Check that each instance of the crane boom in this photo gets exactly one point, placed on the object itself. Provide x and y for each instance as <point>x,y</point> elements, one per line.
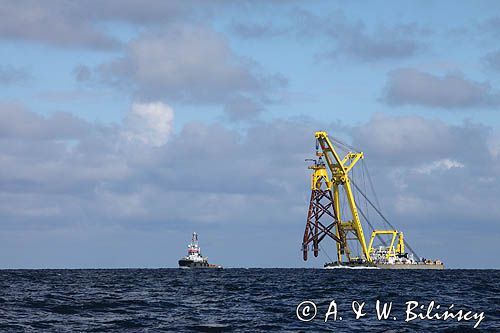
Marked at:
<point>333,213</point>
<point>331,182</point>
<point>339,169</point>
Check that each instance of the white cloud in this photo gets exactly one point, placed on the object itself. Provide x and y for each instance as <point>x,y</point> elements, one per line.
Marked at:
<point>439,165</point>
<point>188,64</point>
<point>149,123</point>
<point>183,183</point>
<point>414,140</point>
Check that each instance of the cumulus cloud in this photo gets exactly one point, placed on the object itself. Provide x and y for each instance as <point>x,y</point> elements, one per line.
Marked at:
<point>188,64</point>
<point>11,75</point>
<point>145,12</point>
<point>490,26</point>
<point>409,86</point>
<point>197,161</point>
<point>249,30</point>
<point>414,139</point>
<point>345,37</point>
<point>439,165</point>
<point>429,166</point>
<point>492,60</point>
<point>241,108</point>
<point>80,24</point>
<point>82,73</point>
<point>383,43</point>
<point>354,39</point>
<point>18,122</point>
<point>482,32</point>
<point>69,175</point>
<point>53,23</point>
<point>149,123</point>
<point>60,172</point>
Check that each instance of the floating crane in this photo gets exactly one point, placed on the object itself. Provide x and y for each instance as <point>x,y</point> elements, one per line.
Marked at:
<point>330,180</point>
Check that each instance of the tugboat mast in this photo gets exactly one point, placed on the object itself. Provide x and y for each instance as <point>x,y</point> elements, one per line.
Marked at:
<point>194,248</point>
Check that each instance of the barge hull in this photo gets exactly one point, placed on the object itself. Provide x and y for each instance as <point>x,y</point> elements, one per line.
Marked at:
<point>384,266</point>
<point>409,266</point>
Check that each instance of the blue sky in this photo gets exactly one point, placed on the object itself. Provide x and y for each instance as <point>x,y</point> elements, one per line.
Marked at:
<point>126,125</point>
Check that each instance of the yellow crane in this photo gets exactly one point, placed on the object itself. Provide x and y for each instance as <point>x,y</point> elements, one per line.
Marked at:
<point>324,217</point>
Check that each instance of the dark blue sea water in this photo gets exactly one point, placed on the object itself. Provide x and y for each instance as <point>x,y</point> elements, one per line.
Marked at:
<point>239,300</point>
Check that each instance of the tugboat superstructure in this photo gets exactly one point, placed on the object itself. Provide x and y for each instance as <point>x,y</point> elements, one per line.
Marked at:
<point>194,259</point>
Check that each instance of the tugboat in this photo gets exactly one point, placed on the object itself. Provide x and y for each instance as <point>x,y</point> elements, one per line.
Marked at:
<point>194,259</point>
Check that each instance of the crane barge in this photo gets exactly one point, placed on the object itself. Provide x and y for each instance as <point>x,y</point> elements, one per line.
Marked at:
<point>335,214</point>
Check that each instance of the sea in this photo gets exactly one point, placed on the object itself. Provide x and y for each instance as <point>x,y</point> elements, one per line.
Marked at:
<point>249,300</point>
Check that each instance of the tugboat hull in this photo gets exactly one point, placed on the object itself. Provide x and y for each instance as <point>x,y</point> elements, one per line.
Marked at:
<point>183,263</point>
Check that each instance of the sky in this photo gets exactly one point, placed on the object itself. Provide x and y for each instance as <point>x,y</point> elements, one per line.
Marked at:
<point>127,125</point>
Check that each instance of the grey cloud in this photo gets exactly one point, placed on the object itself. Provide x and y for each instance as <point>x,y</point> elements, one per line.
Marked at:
<point>82,73</point>
<point>344,37</point>
<point>188,64</point>
<point>481,33</point>
<point>491,25</point>
<point>11,75</point>
<point>430,175</point>
<point>353,39</point>
<point>412,140</point>
<point>451,91</point>
<point>383,43</point>
<point>255,30</point>
<point>209,177</point>
<point>81,24</point>
<point>492,60</point>
<point>17,122</point>
<point>101,178</point>
<point>53,23</point>
<point>64,96</point>
<point>241,108</point>
<point>143,12</point>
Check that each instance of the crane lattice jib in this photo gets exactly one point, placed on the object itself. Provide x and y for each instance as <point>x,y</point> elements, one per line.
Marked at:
<point>339,169</point>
